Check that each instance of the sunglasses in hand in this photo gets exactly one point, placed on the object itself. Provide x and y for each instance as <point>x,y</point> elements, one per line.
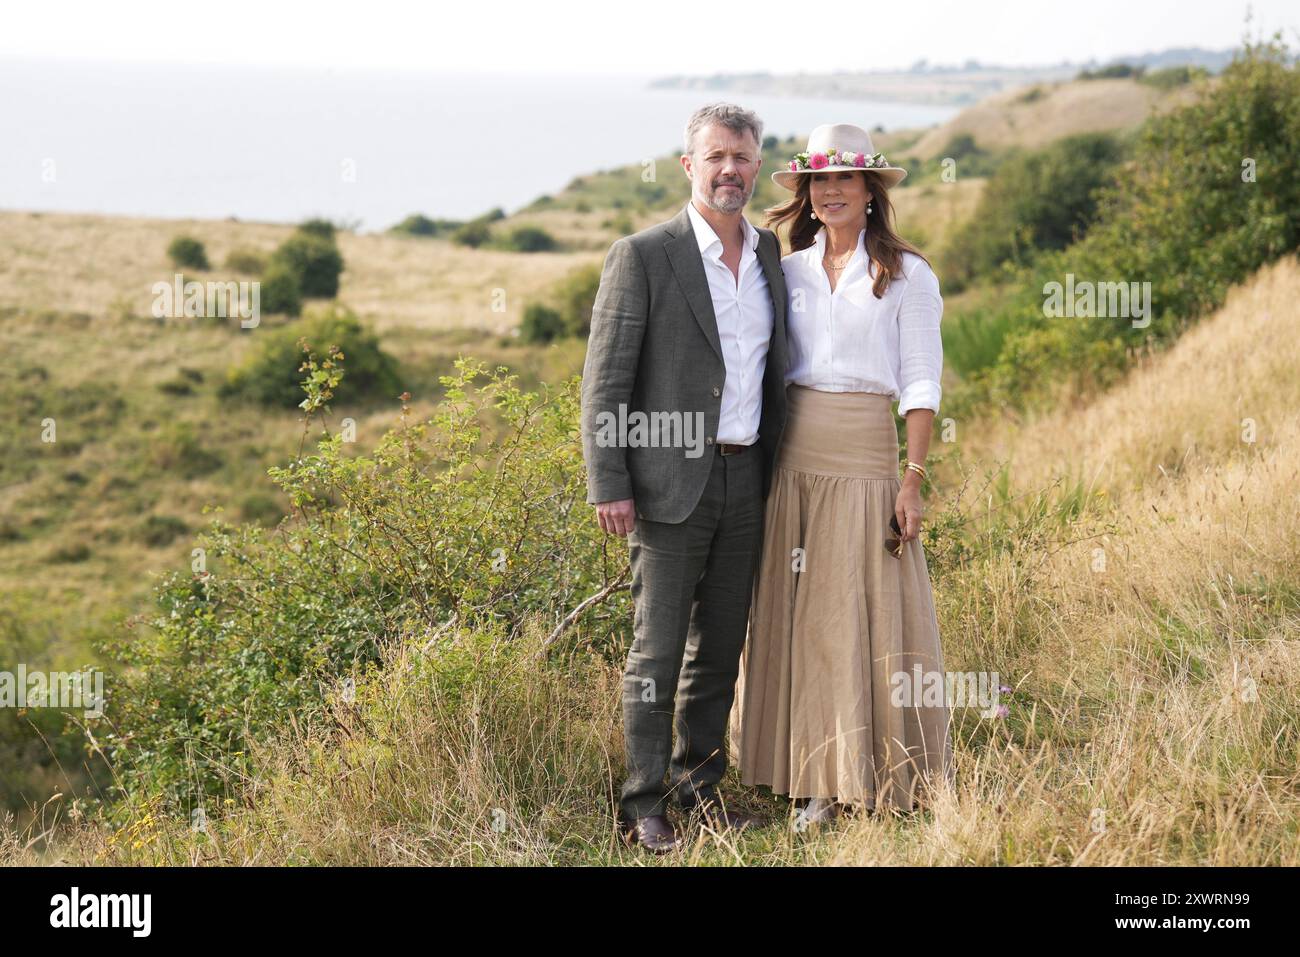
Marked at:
<point>895,545</point>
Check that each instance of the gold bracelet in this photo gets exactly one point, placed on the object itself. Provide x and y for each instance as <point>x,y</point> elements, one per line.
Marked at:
<point>917,468</point>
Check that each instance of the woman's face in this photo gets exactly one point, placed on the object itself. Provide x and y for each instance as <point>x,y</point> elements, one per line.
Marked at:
<point>840,197</point>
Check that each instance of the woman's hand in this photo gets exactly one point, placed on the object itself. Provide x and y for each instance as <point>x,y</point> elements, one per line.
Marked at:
<point>907,508</point>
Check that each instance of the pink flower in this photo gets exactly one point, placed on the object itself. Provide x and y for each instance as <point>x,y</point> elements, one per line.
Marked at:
<point>794,166</point>
<point>817,161</point>
<point>860,159</point>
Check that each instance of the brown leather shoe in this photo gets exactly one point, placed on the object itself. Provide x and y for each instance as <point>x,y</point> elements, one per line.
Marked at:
<point>654,833</point>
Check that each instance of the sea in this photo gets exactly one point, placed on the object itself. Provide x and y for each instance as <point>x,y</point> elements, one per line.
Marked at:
<point>364,149</point>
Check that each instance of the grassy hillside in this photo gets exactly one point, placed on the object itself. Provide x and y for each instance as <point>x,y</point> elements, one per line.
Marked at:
<point>1145,617</point>
<point>145,441</point>
<point>1113,547</point>
<point>1033,117</point>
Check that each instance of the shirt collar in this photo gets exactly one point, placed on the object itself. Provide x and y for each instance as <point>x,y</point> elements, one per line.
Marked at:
<point>820,239</point>
<point>819,245</point>
<point>706,237</point>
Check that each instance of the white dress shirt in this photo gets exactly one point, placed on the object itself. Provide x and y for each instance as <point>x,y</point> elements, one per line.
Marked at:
<point>743,307</point>
<point>850,341</point>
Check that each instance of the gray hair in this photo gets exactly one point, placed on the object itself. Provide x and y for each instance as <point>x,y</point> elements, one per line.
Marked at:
<point>735,118</point>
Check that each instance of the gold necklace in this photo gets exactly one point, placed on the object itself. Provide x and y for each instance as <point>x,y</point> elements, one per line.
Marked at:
<point>829,265</point>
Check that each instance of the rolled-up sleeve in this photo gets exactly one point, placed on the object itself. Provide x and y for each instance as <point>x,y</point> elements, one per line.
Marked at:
<point>920,348</point>
<point>618,321</point>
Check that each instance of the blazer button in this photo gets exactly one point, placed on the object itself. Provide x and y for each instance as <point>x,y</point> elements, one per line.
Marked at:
<point>717,391</point>
<point>708,440</point>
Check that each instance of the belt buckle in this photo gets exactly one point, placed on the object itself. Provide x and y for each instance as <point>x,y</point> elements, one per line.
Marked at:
<point>734,448</point>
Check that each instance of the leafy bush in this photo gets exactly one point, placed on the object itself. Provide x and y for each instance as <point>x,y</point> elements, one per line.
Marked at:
<point>473,234</point>
<point>477,514</point>
<point>540,324</point>
<point>281,293</point>
<point>159,530</point>
<point>314,260</point>
<point>41,752</point>
<point>1173,76</point>
<point>1112,72</point>
<point>1040,200</point>
<point>187,253</point>
<point>177,449</point>
<point>418,225</point>
<point>321,228</point>
<point>247,261</point>
<point>529,239</point>
<point>568,311</point>
<point>1185,215</point>
<point>272,373</point>
<point>575,295</point>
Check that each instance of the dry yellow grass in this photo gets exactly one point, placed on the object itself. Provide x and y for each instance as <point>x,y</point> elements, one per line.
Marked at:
<point>76,294</point>
<point>1014,119</point>
<point>93,264</point>
<point>1228,392</point>
<point>1153,650</point>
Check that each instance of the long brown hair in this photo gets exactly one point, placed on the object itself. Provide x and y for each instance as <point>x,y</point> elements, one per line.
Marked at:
<point>885,247</point>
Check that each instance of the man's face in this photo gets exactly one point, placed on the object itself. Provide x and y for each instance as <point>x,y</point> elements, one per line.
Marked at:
<point>723,167</point>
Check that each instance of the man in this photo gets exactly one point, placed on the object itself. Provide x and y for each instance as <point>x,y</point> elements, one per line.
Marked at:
<point>688,331</point>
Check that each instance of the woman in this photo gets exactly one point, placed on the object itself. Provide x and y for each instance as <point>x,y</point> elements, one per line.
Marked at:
<point>843,645</point>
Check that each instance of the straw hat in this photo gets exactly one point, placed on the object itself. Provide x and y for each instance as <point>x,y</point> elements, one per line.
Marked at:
<point>836,146</point>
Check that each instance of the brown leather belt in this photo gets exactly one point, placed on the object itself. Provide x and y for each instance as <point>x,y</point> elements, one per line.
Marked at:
<point>731,448</point>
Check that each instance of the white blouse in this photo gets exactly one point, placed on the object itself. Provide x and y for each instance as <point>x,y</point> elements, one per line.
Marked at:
<point>850,341</point>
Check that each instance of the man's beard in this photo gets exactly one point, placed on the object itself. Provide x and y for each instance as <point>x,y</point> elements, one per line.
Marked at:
<point>730,201</point>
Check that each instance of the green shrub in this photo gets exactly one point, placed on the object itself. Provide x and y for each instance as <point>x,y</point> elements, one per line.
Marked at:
<point>281,293</point>
<point>540,324</point>
<point>1114,71</point>
<point>41,751</point>
<point>1174,76</point>
<point>187,253</point>
<point>314,260</point>
<point>473,234</point>
<point>1183,215</point>
<point>529,239</point>
<point>261,508</point>
<point>1040,200</point>
<point>159,530</point>
<point>177,449</point>
<point>477,513</point>
<point>575,295</point>
<point>321,228</point>
<point>247,261</point>
<point>417,225</point>
<point>272,376</point>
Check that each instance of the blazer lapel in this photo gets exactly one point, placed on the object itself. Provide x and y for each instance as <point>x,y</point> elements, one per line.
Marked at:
<point>771,262</point>
<point>684,256</point>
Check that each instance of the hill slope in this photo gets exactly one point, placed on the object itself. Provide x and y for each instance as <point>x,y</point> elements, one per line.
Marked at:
<point>1149,636</point>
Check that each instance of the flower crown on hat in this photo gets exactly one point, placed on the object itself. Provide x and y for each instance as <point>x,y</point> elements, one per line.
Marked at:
<point>823,158</point>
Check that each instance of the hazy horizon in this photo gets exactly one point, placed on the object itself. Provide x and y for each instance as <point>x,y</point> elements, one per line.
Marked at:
<point>588,37</point>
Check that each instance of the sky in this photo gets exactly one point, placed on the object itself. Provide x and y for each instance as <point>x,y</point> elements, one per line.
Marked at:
<point>655,37</point>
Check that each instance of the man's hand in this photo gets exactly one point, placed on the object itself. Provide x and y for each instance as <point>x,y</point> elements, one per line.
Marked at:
<point>617,517</point>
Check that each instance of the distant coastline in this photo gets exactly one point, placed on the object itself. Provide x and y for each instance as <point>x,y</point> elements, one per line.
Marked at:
<point>924,83</point>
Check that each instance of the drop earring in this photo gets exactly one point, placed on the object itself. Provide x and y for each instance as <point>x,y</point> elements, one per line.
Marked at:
<point>868,209</point>
<point>812,215</point>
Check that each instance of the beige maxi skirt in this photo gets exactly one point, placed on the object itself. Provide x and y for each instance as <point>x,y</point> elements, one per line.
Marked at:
<point>843,641</point>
